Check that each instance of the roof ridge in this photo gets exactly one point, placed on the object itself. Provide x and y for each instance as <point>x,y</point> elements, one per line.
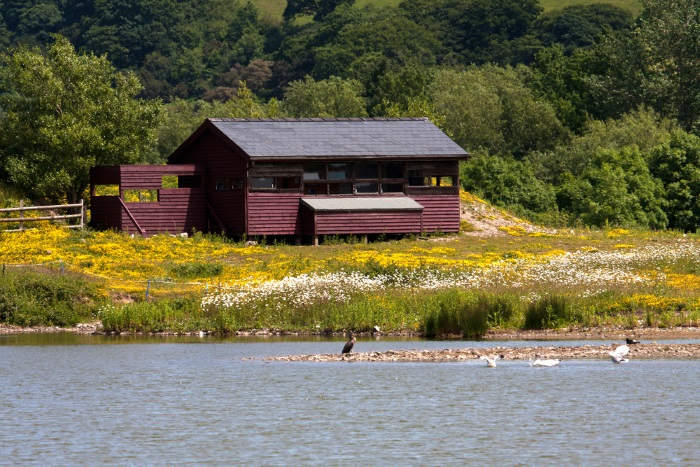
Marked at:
<point>320,119</point>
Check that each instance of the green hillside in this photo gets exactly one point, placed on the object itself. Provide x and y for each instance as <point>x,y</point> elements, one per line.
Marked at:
<point>273,8</point>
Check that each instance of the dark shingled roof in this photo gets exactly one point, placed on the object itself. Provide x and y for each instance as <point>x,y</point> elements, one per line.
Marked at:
<point>353,137</point>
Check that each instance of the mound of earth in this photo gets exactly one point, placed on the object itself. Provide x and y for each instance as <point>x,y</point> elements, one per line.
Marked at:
<point>480,219</point>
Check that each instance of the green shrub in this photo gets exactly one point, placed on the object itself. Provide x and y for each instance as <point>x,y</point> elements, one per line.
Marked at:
<point>50,299</point>
<point>548,312</point>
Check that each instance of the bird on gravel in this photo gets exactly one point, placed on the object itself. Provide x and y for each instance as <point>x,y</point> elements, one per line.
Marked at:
<point>491,361</point>
<point>618,355</point>
<point>347,348</point>
<point>631,341</point>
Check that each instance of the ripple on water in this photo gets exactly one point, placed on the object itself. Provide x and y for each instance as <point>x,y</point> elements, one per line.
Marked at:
<point>178,402</point>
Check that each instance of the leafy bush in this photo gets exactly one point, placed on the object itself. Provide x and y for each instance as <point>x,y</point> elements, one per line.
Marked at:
<point>548,312</point>
<point>616,188</point>
<point>507,182</point>
<point>31,299</point>
<point>677,164</point>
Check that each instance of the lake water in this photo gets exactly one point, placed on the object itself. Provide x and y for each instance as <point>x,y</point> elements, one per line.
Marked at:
<point>68,399</point>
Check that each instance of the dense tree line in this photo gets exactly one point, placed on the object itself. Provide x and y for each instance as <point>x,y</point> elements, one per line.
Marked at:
<point>580,115</point>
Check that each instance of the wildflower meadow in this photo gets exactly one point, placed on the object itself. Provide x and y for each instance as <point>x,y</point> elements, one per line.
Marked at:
<point>178,284</point>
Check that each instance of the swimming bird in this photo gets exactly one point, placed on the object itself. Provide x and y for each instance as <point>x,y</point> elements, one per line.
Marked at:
<point>631,341</point>
<point>491,361</point>
<point>544,362</point>
<point>618,355</point>
<point>348,345</point>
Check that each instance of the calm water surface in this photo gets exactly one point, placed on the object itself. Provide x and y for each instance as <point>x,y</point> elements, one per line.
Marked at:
<point>87,400</point>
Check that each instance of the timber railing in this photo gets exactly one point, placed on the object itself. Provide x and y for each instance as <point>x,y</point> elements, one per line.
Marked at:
<point>21,220</point>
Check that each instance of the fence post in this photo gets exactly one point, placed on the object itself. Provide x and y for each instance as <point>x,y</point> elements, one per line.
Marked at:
<point>148,288</point>
<point>21,224</point>
<point>82,214</point>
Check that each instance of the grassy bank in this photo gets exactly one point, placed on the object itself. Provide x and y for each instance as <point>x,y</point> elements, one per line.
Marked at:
<point>459,285</point>
<point>45,297</point>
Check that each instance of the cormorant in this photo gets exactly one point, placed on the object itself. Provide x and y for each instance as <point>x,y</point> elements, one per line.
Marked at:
<point>348,345</point>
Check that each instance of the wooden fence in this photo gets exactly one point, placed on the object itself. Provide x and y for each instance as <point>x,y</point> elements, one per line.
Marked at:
<point>50,216</point>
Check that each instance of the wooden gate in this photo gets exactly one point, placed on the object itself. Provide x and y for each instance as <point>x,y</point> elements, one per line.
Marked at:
<point>50,213</point>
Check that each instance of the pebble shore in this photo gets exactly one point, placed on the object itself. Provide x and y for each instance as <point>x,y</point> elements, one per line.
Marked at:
<point>637,351</point>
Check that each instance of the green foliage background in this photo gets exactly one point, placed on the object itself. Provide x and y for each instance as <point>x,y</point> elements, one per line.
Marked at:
<point>577,112</point>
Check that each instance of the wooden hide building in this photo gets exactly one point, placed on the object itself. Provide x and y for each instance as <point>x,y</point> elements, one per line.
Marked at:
<point>300,177</point>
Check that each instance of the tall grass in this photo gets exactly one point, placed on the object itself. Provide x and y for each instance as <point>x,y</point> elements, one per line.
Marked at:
<point>550,311</point>
<point>29,298</point>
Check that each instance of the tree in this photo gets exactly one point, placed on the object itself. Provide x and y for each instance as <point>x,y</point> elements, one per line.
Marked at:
<point>507,182</point>
<point>181,117</point>
<point>65,112</point>
<point>615,188</point>
<point>580,25</point>
<point>491,108</point>
<point>656,64</point>
<point>642,128</point>
<point>677,164</point>
<point>332,97</point>
<point>318,8</point>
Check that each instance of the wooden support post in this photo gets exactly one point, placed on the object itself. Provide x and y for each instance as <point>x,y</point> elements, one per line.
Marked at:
<point>82,214</point>
<point>364,239</point>
<point>21,205</point>
<point>315,240</point>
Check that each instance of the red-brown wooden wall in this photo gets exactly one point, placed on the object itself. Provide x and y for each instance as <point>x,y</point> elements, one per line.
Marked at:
<point>252,213</point>
<point>219,160</point>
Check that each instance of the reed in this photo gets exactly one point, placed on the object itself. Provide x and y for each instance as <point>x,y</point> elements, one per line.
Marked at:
<point>550,311</point>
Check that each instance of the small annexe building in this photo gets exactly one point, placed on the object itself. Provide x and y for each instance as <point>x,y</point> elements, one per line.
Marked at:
<point>296,177</point>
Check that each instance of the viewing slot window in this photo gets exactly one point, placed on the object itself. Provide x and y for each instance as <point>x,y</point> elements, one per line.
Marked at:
<point>315,188</point>
<point>364,170</point>
<point>392,187</point>
<point>392,171</point>
<point>181,181</point>
<point>227,184</point>
<point>422,178</point>
<point>339,171</point>
<point>340,188</point>
<point>416,178</point>
<point>368,187</point>
<point>288,183</point>
<point>275,183</point>
<point>262,183</point>
<point>314,172</point>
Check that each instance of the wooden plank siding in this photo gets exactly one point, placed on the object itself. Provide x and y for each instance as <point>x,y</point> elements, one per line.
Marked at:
<point>274,214</point>
<point>367,222</point>
<point>133,177</point>
<point>228,155</point>
<point>440,212</point>
<point>220,161</point>
<point>105,212</point>
<point>178,210</point>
